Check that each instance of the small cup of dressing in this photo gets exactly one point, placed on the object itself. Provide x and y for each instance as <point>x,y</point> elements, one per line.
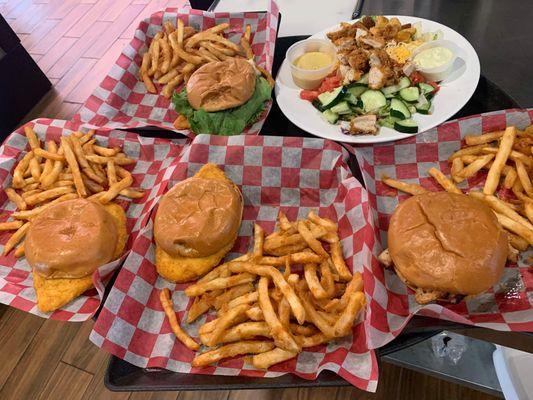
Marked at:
<point>435,59</point>
<point>311,61</point>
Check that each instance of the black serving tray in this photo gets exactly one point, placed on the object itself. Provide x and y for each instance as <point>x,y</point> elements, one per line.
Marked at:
<point>123,376</point>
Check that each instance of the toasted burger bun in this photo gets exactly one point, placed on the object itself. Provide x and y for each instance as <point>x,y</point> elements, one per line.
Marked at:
<point>196,224</point>
<point>217,86</point>
<point>448,244</point>
<point>71,239</point>
<point>55,293</point>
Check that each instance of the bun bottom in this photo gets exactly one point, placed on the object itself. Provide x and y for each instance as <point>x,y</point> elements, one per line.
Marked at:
<point>55,293</point>
<point>185,269</point>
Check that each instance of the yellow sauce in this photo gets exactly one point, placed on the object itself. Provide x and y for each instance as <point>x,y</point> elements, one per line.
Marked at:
<point>433,57</point>
<point>313,60</point>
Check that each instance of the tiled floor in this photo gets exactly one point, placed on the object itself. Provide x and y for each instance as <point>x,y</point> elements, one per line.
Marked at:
<point>75,42</point>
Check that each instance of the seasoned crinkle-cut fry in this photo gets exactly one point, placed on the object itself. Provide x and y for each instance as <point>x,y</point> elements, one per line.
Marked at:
<point>231,350</point>
<point>166,303</point>
<point>411,188</point>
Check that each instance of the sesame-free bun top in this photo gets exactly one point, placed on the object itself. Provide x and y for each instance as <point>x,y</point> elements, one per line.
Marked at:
<point>447,242</point>
<point>70,239</point>
<point>220,85</point>
<point>198,217</point>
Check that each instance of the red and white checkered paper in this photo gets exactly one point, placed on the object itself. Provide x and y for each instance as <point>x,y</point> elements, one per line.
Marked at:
<point>153,157</point>
<point>122,99</point>
<point>509,304</point>
<point>291,174</point>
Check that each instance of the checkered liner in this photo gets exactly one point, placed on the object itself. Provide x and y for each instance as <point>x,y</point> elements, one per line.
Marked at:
<point>300,174</point>
<point>153,155</point>
<point>122,99</point>
<point>509,304</point>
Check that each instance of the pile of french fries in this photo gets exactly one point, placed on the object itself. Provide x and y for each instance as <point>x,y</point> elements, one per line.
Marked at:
<point>508,157</point>
<point>293,291</point>
<point>76,167</point>
<point>176,52</point>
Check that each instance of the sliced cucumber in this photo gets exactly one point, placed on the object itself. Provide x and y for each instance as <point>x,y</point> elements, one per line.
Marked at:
<point>398,109</point>
<point>357,90</point>
<point>410,107</point>
<point>410,94</point>
<point>390,90</point>
<point>363,80</point>
<point>425,109</point>
<point>425,88</point>
<point>350,98</point>
<point>388,121</point>
<point>404,82</point>
<point>406,126</point>
<point>373,100</point>
<point>329,99</point>
<point>341,108</point>
<point>330,116</point>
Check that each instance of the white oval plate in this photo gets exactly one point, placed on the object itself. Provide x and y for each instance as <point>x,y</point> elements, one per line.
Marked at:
<point>455,91</point>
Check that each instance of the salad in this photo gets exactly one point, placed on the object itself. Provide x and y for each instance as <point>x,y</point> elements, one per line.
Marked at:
<point>376,82</point>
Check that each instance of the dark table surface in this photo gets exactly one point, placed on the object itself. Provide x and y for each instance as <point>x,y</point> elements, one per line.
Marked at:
<point>499,30</point>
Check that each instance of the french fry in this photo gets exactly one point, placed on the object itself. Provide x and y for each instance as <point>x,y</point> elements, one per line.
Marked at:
<point>528,208</point>
<point>456,168</point>
<point>506,144</point>
<point>105,151</point>
<point>73,164</point>
<point>167,55</point>
<point>510,178</point>
<point>207,55</point>
<point>231,350</point>
<point>267,75</point>
<point>154,54</point>
<point>30,193</point>
<point>328,224</point>
<point>442,180</point>
<point>49,155</point>
<point>47,195</point>
<point>173,38</point>
<point>467,151</point>
<point>274,356</point>
<point>220,301</point>
<point>312,281</point>
<point>87,136</point>
<point>30,186</point>
<point>15,198</point>
<point>145,64</point>
<point>338,262</point>
<point>49,179</point>
<point>171,85</point>
<point>518,242</point>
<point>132,193</point>
<point>326,278</point>
<point>150,87</point>
<point>32,138</point>
<point>248,53</point>
<point>516,227</point>
<point>214,50</point>
<point>169,28</point>
<point>212,37</point>
<point>513,155</point>
<point>472,168</point>
<point>246,330</point>
<point>279,281</point>
<point>224,322</point>
<point>199,307</point>
<point>255,314</point>
<point>29,214</point>
<point>182,336</point>
<point>16,238</point>
<point>115,189</point>
<point>188,57</point>
<point>10,226</point>
<point>168,76</point>
<point>91,185</point>
<point>282,337</point>
<point>522,175</point>
<point>349,314</point>
<point>18,173</point>
<point>411,188</point>
<point>501,207</point>
<point>259,238</point>
<point>313,243</point>
<point>19,251</point>
<point>179,29</point>
<point>472,140</point>
<point>219,283</point>
<point>313,316</point>
<point>119,160</point>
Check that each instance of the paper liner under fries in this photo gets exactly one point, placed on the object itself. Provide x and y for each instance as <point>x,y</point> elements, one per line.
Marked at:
<point>122,99</point>
<point>509,304</point>
<point>300,174</point>
<point>152,155</point>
